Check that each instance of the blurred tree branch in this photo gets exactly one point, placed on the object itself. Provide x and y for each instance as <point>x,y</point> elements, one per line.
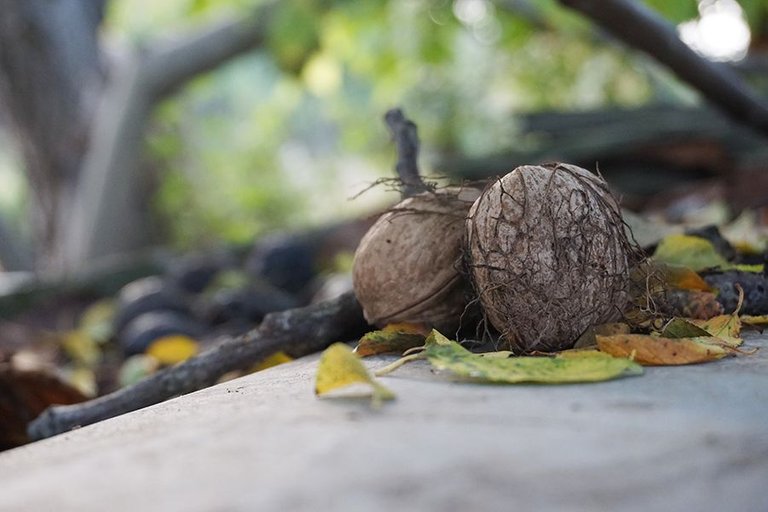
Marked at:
<point>110,193</point>
<point>298,331</point>
<point>641,28</point>
<point>50,71</point>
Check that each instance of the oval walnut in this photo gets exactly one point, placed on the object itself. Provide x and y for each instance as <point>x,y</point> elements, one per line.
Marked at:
<point>548,255</point>
<point>407,267</point>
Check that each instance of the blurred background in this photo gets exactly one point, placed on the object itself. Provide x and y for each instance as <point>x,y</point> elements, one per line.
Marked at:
<point>171,172</point>
<point>133,124</point>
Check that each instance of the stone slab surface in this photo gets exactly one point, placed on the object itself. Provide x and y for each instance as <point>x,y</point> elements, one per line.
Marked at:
<point>689,438</point>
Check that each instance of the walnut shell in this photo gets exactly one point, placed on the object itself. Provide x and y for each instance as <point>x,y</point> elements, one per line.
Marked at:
<point>407,267</point>
<point>548,255</point>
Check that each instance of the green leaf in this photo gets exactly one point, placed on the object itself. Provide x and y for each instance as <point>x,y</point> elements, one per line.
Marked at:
<point>725,328</point>
<point>683,328</point>
<point>693,252</point>
<point>96,320</point>
<point>499,367</point>
<point>444,354</point>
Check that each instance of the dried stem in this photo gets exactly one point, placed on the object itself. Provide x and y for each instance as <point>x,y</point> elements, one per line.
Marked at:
<point>406,137</point>
<point>298,331</point>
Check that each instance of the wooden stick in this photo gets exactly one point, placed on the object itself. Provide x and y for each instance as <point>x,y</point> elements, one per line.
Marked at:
<point>300,331</point>
<point>405,135</point>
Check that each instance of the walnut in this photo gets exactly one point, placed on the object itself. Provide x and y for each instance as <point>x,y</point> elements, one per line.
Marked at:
<point>548,255</point>
<point>407,267</point>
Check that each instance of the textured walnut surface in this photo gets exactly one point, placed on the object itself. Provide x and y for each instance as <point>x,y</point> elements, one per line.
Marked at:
<point>407,267</point>
<point>548,255</point>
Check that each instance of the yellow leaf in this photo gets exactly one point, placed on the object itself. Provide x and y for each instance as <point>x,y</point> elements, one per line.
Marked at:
<point>498,367</point>
<point>172,349</point>
<point>392,339</point>
<point>688,251</point>
<point>544,370</point>
<point>81,348</point>
<point>340,368</point>
<point>83,379</point>
<point>726,328</point>
<point>654,350</point>
<point>407,328</point>
<point>758,320</point>
<point>757,268</point>
<point>96,320</point>
<point>275,359</point>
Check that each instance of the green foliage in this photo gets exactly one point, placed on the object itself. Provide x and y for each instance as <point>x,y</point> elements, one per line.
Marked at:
<point>293,34</point>
<point>677,10</point>
<point>286,135</point>
<point>756,12</point>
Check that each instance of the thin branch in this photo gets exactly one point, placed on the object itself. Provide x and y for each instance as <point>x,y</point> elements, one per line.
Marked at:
<point>168,68</point>
<point>406,137</point>
<point>639,27</point>
<point>102,222</point>
<point>298,331</point>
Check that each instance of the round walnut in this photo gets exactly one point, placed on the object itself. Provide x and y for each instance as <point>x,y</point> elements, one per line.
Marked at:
<point>548,255</point>
<point>407,267</point>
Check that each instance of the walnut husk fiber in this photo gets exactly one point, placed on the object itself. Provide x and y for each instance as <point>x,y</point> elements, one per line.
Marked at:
<point>548,255</point>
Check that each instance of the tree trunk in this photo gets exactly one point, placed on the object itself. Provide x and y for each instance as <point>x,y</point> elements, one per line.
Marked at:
<point>49,73</point>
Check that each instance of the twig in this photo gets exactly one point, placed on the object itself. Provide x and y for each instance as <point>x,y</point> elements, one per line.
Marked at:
<point>641,28</point>
<point>299,331</point>
<point>406,139</point>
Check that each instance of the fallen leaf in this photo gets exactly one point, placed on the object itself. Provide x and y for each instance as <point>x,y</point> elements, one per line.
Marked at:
<point>682,278</point>
<point>726,328</point>
<point>392,339</point>
<point>275,359</point>
<point>97,320</point>
<point>83,379</point>
<point>172,349</point>
<point>757,268</point>
<point>655,350</point>
<point>340,368</point>
<point>498,367</point>
<point>81,347</point>
<point>24,394</point>
<point>683,328</point>
<point>689,251</point>
<point>757,320</point>
<point>587,339</point>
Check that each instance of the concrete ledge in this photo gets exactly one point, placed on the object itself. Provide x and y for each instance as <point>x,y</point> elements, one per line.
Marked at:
<point>676,439</point>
